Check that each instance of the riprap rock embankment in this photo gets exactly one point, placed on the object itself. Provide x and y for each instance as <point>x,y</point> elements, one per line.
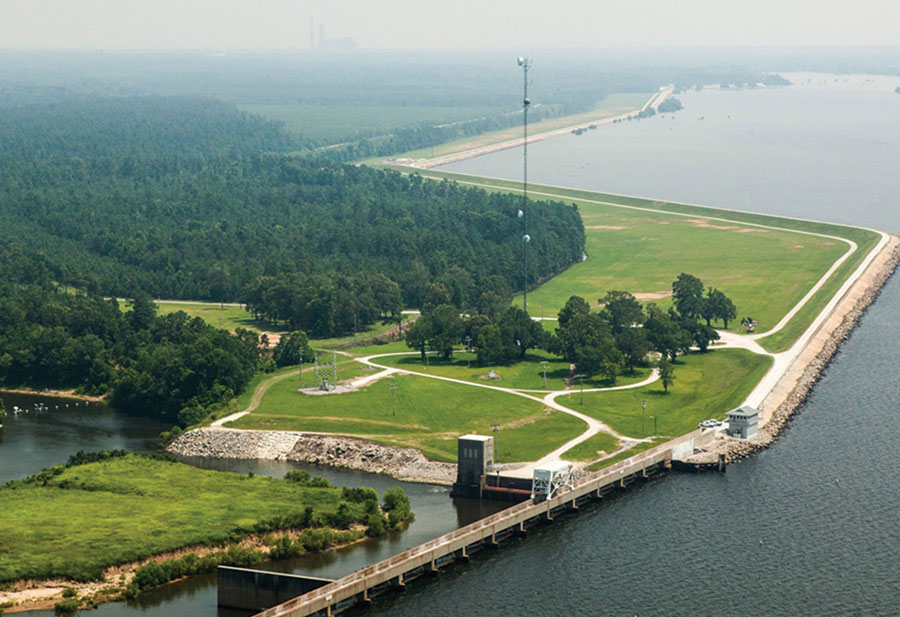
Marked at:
<point>333,450</point>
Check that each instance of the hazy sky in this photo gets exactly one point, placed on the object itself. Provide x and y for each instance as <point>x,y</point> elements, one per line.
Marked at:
<point>399,24</point>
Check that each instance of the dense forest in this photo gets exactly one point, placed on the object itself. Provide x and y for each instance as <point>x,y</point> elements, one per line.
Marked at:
<point>180,197</point>
<point>171,366</point>
<point>166,196</point>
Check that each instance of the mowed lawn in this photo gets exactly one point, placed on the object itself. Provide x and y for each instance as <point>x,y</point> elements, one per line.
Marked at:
<point>525,375</point>
<point>643,252</point>
<point>706,386</point>
<point>765,279</point>
<point>419,412</point>
<point>125,509</point>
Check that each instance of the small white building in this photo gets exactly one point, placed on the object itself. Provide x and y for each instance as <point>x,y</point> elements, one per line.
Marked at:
<point>743,422</point>
<point>549,479</point>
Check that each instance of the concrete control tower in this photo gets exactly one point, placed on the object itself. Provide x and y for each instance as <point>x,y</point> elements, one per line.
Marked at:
<point>475,459</point>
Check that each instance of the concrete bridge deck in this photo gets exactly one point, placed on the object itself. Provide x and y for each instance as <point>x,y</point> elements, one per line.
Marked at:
<point>426,558</point>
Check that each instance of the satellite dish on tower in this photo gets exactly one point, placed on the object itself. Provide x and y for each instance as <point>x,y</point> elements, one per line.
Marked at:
<point>521,61</point>
<point>526,238</point>
<point>521,214</point>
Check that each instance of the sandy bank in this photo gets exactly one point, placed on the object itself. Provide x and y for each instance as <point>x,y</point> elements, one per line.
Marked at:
<point>54,393</point>
<point>34,594</point>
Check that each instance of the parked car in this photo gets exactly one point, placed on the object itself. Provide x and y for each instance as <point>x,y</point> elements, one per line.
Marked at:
<point>709,423</point>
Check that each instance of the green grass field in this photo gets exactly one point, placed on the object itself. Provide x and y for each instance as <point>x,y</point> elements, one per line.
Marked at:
<point>723,254</point>
<point>232,317</point>
<point>525,375</point>
<point>418,412</point>
<point>124,509</point>
<point>592,448</point>
<point>706,386</point>
<point>621,456</point>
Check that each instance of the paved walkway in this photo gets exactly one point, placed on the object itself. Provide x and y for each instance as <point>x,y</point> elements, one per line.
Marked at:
<point>780,365</point>
<point>549,400</point>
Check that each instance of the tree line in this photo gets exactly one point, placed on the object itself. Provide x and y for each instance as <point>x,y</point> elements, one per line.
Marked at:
<point>170,367</point>
<point>608,342</point>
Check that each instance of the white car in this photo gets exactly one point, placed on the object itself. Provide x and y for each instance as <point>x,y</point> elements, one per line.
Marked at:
<point>709,423</point>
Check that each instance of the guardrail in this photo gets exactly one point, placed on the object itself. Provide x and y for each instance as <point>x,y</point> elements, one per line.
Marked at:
<point>427,554</point>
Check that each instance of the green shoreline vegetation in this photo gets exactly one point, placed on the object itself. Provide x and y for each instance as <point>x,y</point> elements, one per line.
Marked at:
<point>137,506</point>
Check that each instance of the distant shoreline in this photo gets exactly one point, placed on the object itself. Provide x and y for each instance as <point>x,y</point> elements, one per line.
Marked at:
<point>654,101</point>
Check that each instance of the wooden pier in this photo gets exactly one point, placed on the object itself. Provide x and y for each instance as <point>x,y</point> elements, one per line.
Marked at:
<point>393,573</point>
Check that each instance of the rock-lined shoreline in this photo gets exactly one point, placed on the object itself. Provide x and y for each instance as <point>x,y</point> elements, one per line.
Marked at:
<point>405,464</point>
<point>819,353</point>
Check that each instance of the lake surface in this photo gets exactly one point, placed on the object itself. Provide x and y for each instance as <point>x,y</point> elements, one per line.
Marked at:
<point>37,439</point>
<point>809,527</point>
<point>823,149</point>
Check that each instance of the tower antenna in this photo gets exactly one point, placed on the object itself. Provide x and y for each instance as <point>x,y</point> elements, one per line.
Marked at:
<point>525,63</point>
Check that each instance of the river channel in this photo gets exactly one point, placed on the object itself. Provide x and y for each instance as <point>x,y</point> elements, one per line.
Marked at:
<point>808,527</point>
<point>52,429</point>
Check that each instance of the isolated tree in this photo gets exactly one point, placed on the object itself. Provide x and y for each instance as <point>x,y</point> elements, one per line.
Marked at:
<point>718,306</point>
<point>520,332</point>
<point>666,374</point>
<point>489,345</point>
<point>291,349</point>
<point>446,327</point>
<point>687,294</point>
<point>418,334</point>
<point>703,335</point>
<point>622,310</point>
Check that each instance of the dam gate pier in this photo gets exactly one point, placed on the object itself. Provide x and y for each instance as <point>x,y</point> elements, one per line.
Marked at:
<point>394,573</point>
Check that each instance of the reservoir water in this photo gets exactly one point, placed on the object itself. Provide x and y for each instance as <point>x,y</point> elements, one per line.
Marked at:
<point>808,527</point>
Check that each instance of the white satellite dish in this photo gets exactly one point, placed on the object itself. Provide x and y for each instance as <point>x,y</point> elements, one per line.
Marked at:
<point>521,214</point>
<point>521,61</point>
<point>526,238</point>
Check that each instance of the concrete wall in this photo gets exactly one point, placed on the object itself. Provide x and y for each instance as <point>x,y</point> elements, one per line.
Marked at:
<point>256,590</point>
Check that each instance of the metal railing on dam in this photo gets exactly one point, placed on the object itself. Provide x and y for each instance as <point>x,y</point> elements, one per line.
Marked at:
<point>364,584</point>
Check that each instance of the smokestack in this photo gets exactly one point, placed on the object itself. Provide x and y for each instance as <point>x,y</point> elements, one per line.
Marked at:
<point>321,35</point>
<point>312,34</point>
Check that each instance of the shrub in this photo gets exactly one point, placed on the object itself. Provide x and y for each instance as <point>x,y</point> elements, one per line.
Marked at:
<point>396,504</point>
<point>285,548</point>
<point>69,592</point>
<point>375,525</point>
<point>302,477</point>
<point>66,607</point>
<point>359,495</point>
